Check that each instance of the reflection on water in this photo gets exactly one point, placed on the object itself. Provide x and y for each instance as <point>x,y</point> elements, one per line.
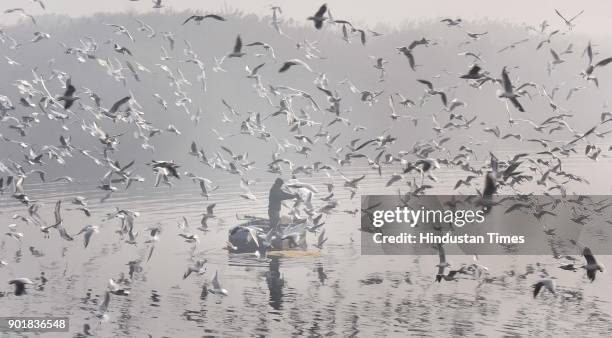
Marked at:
<point>337,292</point>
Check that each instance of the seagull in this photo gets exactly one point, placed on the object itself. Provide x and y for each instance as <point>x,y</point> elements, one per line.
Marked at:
<point>68,96</point>
<point>567,22</point>
<point>548,283</point>
<point>592,266</point>
<point>11,61</point>
<point>121,30</point>
<point>42,5</point>
<point>508,91</point>
<point>208,214</point>
<point>318,18</point>
<point>473,74</point>
<point>247,192</point>
<point>199,267</point>
<point>89,230</point>
<point>556,59</point>
<point>265,46</point>
<point>588,73</point>
<point>275,22</point>
<point>452,22</point>
<point>38,36</point>
<point>20,285</point>
<point>476,36</point>
<point>199,18</point>
<point>408,53</point>
<point>352,183</point>
<point>294,62</point>
<point>120,49</point>
<point>216,286</point>
<point>21,12</point>
<point>237,48</point>
<point>547,40</point>
<point>431,91</point>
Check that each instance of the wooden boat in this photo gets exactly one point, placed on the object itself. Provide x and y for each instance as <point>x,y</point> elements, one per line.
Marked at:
<point>240,238</point>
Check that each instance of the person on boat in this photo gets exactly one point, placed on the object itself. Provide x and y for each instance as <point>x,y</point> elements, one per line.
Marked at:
<point>276,197</point>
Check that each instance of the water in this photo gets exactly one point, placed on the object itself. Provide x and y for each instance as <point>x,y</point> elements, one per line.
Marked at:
<point>334,291</point>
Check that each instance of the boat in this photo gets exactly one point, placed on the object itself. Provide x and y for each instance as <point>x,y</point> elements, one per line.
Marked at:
<point>241,239</point>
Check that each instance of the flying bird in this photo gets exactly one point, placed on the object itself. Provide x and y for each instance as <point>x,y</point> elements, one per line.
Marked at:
<point>319,17</point>
<point>294,62</point>
<point>591,266</point>
<point>508,91</point>
<point>199,18</point>
<point>237,52</point>
<point>567,22</point>
<point>548,283</point>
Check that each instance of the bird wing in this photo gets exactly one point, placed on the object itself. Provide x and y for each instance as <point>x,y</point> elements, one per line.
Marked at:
<point>588,255</point>
<point>286,66</point>
<point>517,104</point>
<point>591,274</point>
<point>321,11</point>
<point>257,68</point>
<point>506,81</point>
<point>575,16</point>
<point>443,98</point>
<point>118,104</point>
<point>589,51</point>
<point>238,45</point>
<point>214,16</point>
<point>69,89</point>
<point>475,70</point>
<point>603,62</point>
<point>427,83</point>
<point>189,18</point>
<point>58,216</point>
<point>560,15</point>
<point>554,55</point>
<point>536,288</point>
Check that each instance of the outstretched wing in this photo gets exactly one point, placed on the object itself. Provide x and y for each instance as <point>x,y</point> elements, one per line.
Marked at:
<point>238,45</point>
<point>427,83</point>
<point>603,62</point>
<point>562,17</point>
<point>321,11</point>
<point>536,289</point>
<point>588,255</point>
<point>118,104</point>
<point>58,216</point>
<point>189,18</point>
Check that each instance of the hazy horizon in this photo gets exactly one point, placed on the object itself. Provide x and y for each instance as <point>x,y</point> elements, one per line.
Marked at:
<point>392,13</point>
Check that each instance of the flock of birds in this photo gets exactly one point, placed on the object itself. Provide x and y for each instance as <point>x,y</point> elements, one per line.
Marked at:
<point>38,104</point>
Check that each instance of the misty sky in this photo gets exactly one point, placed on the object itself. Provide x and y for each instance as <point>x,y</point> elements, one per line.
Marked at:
<point>392,12</point>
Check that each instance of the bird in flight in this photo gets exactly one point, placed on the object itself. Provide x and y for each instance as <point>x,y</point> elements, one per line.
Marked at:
<point>318,18</point>
<point>199,18</point>
<point>237,52</point>
<point>508,91</point>
<point>569,23</point>
<point>591,266</point>
<point>548,283</point>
